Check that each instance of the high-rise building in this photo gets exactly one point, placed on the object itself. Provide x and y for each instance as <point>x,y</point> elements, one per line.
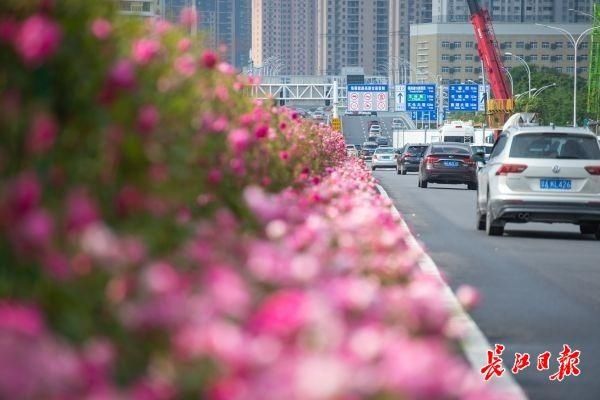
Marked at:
<point>283,36</point>
<point>352,33</point>
<point>140,8</point>
<point>556,11</point>
<point>171,9</point>
<point>225,25</point>
<point>403,14</point>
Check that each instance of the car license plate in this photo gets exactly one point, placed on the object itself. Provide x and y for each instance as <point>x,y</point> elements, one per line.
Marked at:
<point>555,184</point>
<point>452,164</point>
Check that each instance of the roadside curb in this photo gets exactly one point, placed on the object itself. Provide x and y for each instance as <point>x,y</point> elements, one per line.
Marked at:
<point>474,343</point>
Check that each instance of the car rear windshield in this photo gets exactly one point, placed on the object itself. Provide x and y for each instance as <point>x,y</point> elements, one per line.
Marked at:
<point>555,146</point>
<point>416,150</point>
<point>385,150</point>
<point>450,150</point>
<point>350,146</point>
<point>369,146</point>
<point>482,149</point>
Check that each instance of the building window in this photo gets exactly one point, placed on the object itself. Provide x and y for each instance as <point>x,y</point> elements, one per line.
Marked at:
<point>545,45</point>
<point>468,57</point>
<point>558,45</point>
<point>445,44</point>
<point>445,70</point>
<point>520,45</point>
<point>570,57</point>
<point>584,45</point>
<point>456,45</point>
<point>545,57</point>
<point>558,69</point>
<point>570,70</point>
<point>533,57</point>
<point>533,45</point>
<point>445,57</point>
<point>507,45</point>
<point>507,58</point>
<point>469,69</point>
<point>469,45</point>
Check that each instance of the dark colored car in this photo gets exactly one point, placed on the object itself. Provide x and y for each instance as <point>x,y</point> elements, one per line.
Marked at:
<point>382,141</point>
<point>449,163</point>
<point>410,158</point>
<point>367,150</point>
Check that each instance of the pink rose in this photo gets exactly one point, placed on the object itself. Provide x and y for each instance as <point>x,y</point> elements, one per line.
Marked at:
<point>144,51</point>
<point>468,296</point>
<point>261,132</point>
<point>122,74</point>
<point>37,40</point>
<point>282,313</point>
<point>208,59</point>
<point>35,230</point>
<point>42,134</point>
<point>24,194</point>
<point>81,211</point>
<point>184,45</point>
<point>188,17</point>
<point>148,118</point>
<point>239,140</point>
<point>185,65</point>
<point>101,28</point>
<point>20,318</point>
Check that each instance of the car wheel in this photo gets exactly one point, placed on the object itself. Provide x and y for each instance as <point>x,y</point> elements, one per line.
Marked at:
<point>588,228</point>
<point>472,186</point>
<point>480,220</point>
<point>492,227</point>
<point>424,184</point>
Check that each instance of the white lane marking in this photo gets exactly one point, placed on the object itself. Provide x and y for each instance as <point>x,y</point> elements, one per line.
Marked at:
<point>474,342</point>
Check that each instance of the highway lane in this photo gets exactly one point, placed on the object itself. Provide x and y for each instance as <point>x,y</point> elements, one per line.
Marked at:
<point>540,283</point>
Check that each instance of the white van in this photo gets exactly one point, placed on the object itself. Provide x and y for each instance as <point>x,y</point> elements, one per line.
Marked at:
<point>458,131</point>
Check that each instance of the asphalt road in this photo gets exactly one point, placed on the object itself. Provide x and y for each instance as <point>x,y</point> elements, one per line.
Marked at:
<point>356,128</point>
<point>540,283</point>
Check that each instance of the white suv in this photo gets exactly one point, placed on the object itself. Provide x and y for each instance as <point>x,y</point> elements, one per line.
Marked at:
<point>541,174</point>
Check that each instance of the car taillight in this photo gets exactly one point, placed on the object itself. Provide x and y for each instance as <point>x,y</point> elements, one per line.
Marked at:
<point>593,169</point>
<point>511,169</point>
<point>470,162</point>
<point>431,159</point>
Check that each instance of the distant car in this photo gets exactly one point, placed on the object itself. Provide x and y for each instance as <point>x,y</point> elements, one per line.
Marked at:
<point>351,150</point>
<point>486,149</point>
<point>373,122</point>
<point>383,157</point>
<point>449,163</point>
<point>541,174</point>
<point>375,130</point>
<point>397,123</point>
<point>410,158</point>
<point>372,138</point>
<point>382,141</point>
<point>358,147</point>
<point>319,115</point>
<point>368,148</point>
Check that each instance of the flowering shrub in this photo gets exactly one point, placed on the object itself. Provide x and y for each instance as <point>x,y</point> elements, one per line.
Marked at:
<point>164,237</point>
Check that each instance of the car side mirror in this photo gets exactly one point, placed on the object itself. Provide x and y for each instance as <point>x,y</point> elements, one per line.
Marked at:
<point>479,157</point>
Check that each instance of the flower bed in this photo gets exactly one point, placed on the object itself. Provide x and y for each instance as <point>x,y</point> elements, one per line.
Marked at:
<point>164,237</point>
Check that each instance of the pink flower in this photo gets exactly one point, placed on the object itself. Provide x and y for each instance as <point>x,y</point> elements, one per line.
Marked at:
<point>282,313</point>
<point>284,155</point>
<point>188,17</point>
<point>161,278</point>
<point>81,211</point>
<point>8,30</point>
<point>101,28</point>
<point>37,40</point>
<point>261,132</point>
<point>214,176</point>
<point>35,230</point>
<point>208,59</point>
<point>57,265</point>
<point>20,318</point>
<point>122,74</point>
<point>228,290</point>
<point>42,134</point>
<point>148,118</point>
<point>184,45</point>
<point>225,68</point>
<point>468,296</point>
<point>185,65</point>
<point>144,51</point>
<point>239,140</point>
<point>24,194</point>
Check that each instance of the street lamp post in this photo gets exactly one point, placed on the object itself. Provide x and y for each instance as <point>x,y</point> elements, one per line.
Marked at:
<point>526,67</point>
<point>575,43</point>
<point>540,90</point>
<point>512,82</point>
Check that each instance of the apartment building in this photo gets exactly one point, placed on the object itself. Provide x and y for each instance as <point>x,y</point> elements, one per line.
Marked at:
<point>283,36</point>
<point>403,13</point>
<point>226,25</point>
<point>140,8</point>
<point>352,33</point>
<point>449,51</point>
<point>555,11</point>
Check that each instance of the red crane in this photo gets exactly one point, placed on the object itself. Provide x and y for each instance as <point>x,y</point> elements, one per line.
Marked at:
<point>502,105</point>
